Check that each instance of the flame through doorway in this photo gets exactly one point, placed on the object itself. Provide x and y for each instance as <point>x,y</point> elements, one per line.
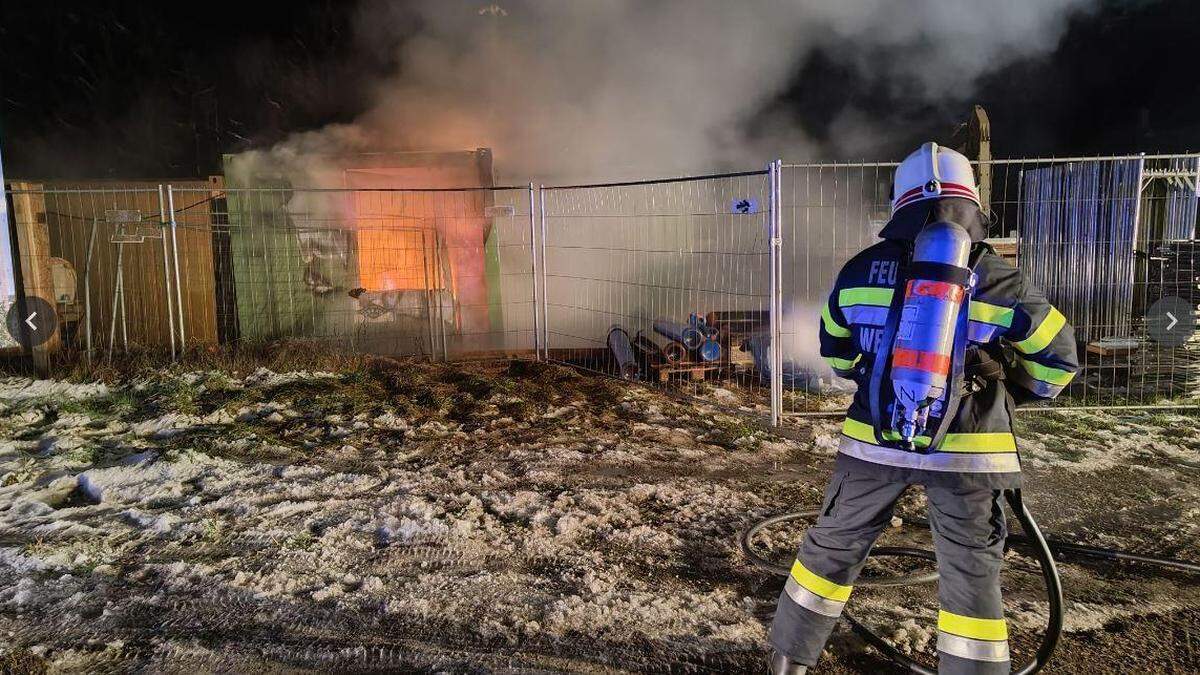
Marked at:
<point>394,245</point>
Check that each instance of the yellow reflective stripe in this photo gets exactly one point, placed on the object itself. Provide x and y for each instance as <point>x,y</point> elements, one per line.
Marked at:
<point>861,431</point>
<point>985,441</point>
<point>842,364</point>
<point>970,627</point>
<point>989,313</point>
<point>1055,376</point>
<point>1040,338</point>
<point>818,585</point>
<point>880,297</point>
<point>980,442</point>
<point>833,327</point>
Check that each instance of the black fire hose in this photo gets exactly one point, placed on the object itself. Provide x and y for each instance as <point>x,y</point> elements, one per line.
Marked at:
<point>1042,550</point>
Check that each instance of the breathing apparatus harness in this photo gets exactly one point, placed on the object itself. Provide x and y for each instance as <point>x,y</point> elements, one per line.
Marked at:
<point>950,280</point>
<point>970,368</point>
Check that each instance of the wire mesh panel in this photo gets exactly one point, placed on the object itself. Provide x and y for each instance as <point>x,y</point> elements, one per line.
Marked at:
<point>828,214</point>
<point>443,273</point>
<point>96,251</point>
<point>662,281</point>
<point>1104,238</point>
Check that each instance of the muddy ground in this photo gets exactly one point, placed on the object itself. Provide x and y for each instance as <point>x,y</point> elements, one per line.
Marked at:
<point>506,517</point>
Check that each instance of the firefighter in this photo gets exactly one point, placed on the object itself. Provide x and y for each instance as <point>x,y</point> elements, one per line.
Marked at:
<point>1018,349</point>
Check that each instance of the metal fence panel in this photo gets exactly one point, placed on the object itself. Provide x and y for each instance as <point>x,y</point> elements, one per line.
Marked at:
<point>736,266</point>
<point>662,281</point>
<point>440,273</point>
<point>1104,238</point>
<point>104,248</point>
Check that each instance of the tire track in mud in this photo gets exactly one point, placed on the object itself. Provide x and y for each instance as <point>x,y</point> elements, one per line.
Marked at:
<point>239,630</point>
<point>267,588</point>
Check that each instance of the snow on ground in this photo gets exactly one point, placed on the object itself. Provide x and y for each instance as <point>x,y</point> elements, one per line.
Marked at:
<point>407,516</point>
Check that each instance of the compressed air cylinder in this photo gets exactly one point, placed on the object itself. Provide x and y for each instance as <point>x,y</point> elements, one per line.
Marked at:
<point>622,351</point>
<point>690,336</point>
<point>923,351</point>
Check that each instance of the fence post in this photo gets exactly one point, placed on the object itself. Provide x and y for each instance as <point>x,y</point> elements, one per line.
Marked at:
<point>178,284</point>
<point>533,275</point>
<point>162,220</point>
<point>775,353</point>
<point>545,303</point>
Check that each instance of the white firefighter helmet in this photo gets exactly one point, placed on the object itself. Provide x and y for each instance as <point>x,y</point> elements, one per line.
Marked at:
<point>931,172</point>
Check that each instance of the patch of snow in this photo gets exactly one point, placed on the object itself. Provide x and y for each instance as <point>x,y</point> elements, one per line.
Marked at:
<point>24,389</point>
<point>266,378</point>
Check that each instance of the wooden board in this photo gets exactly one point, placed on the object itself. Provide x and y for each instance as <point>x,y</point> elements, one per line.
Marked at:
<point>694,370</point>
<point>1101,348</point>
<point>33,242</point>
<point>71,208</point>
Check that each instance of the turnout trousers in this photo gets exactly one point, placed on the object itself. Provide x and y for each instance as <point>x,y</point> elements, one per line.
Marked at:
<point>968,533</point>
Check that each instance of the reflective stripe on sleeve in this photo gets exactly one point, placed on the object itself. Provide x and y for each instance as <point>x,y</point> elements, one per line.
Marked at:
<point>1036,386</point>
<point>833,327</point>
<point>880,297</point>
<point>1041,338</point>
<point>842,364</point>
<point>1055,376</point>
<point>986,312</point>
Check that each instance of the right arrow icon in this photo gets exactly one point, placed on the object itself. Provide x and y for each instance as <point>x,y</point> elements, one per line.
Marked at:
<point>1171,321</point>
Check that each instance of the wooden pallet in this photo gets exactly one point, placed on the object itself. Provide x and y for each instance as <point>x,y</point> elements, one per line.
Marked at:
<point>694,370</point>
<point>1112,347</point>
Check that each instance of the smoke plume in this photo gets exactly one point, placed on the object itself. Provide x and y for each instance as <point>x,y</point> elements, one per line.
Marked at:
<point>626,88</point>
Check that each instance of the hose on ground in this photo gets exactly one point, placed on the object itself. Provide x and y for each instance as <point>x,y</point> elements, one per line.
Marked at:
<point>1043,550</point>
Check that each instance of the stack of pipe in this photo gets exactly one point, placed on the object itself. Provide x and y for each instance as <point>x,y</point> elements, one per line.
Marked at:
<point>689,336</point>
<point>658,349</point>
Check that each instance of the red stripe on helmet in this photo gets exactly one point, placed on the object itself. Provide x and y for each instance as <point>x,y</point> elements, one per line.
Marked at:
<point>930,362</point>
<point>957,186</point>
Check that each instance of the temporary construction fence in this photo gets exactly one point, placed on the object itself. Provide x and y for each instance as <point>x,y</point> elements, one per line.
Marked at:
<point>710,285</point>
<point>660,280</point>
<point>443,273</point>
<point>1104,238</point>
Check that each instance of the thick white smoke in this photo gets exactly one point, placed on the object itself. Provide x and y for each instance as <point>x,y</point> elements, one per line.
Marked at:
<point>581,90</point>
<point>584,89</point>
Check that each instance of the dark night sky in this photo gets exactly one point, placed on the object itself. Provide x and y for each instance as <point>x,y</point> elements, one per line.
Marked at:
<point>162,89</point>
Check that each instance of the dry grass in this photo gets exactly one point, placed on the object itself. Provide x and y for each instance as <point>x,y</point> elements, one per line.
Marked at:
<point>278,355</point>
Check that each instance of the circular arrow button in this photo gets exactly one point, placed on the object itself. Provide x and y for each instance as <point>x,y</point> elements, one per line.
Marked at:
<point>1171,321</point>
<point>33,326</point>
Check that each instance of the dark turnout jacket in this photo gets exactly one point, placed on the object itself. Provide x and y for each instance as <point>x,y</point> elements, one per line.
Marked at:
<point>1011,324</point>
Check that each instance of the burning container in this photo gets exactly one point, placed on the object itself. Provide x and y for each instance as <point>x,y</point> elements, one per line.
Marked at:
<point>391,251</point>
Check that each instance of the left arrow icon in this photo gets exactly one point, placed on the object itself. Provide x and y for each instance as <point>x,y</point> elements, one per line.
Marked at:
<point>29,321</point>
